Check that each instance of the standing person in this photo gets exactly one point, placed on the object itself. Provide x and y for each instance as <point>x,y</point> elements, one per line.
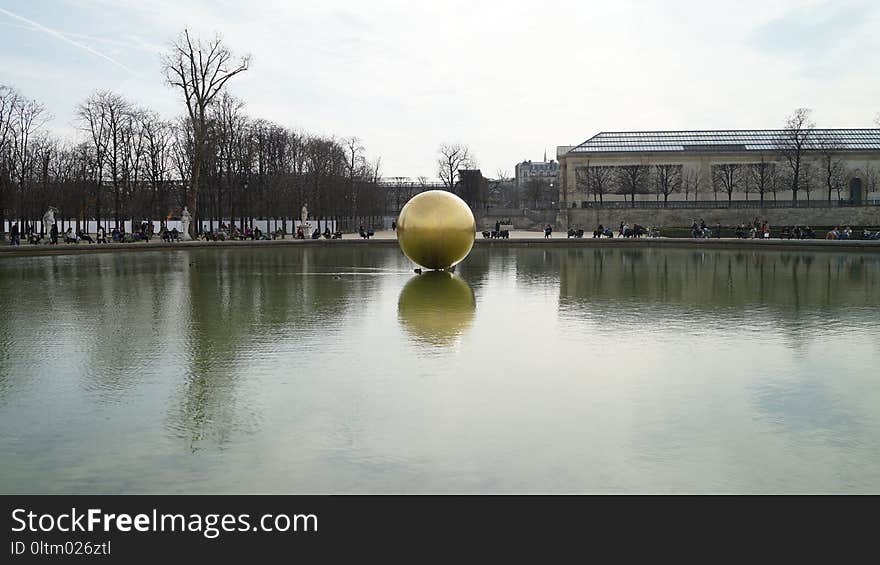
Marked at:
<point>718,230</point>
<point>620,230</point>
<point>102,235</point>
<point>393,225</point>
<point>53,234</point>
<point>14,235</point>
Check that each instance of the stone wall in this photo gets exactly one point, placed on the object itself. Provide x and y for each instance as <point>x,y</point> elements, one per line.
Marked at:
<point>683,217</point>
<point>586,218</point>
<point>521,219</point>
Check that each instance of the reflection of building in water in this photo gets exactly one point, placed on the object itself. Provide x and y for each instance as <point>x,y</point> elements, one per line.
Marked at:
<point>436,307</point>
<point>792,283</point>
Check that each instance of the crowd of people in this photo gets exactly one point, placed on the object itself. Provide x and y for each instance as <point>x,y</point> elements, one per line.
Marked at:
<point>234,233</point>
<point>756,229</point>
<point>499,233</point>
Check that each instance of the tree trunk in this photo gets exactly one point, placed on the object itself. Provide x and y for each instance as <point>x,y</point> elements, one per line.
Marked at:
<point>192,194</point>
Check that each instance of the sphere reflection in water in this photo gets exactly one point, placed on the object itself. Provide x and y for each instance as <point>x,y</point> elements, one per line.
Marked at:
<point>436,229</point>
<point>436,307</point>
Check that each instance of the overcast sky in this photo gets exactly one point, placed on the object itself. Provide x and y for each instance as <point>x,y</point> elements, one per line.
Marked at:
<point>508,78</point>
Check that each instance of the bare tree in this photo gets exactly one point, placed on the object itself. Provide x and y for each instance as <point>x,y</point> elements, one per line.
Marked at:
<point>9,100</point>
<point>200,70</point>
<point>228,126</point>
<point>536,191</point>
<point>158,136</point>
<point>596,181</point>
<point>794,143</point>
<point>632,180</point>
<point>667,180</point>
<point>29,117</point>
<point>763,174</point>
<point>727,178</point>
<point>452,157</point>
<point>93,118</point>
<point>872,179</point>
<point>690,182</point>
<point>502,191</point>
<point>355,162</point>
<point>808,178</point>
<point>117,114</point>
<point>832,166</point>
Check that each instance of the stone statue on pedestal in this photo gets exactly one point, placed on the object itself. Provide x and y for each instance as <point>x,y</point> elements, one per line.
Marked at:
<point>49,219</point>
<point>304,216</point>
<point>185,219</point>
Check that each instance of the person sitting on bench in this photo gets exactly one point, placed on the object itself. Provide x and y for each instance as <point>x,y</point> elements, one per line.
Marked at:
<point>86,237</point>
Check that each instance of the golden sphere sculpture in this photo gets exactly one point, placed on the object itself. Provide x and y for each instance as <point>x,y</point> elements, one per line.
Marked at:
<point>436,229</point>
<point>436,307</point>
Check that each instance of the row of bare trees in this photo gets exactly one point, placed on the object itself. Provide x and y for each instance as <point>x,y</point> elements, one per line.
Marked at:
<point>225,166</point>
<point>763,179</point>
<point>133,165</point>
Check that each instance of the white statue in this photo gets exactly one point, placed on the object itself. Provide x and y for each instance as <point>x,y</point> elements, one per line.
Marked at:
<point>305,214</point>
<point>185,219</point>
<point>49,219</point>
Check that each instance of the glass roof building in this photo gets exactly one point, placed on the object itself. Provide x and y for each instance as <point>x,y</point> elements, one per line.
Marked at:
<point>856,152</point>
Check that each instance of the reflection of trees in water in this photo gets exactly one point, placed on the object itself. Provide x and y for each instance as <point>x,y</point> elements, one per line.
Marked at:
<point>7,373</point>
<point>475,268</point>
<point>794,289</point>
<point>242,305</point>
<point>538,264</point>
<point>92,318</point>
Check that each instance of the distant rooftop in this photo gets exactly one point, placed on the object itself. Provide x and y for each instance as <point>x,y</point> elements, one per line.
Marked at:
<point>724,140</point>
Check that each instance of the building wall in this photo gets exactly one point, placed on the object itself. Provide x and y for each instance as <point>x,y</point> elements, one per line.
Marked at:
<point>701,163</point>
<point>588,219</point>
<point>528,170</point>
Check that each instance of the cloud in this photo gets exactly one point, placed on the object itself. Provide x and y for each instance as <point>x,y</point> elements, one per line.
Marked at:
<point>505,77</point>
<point>58,35</point>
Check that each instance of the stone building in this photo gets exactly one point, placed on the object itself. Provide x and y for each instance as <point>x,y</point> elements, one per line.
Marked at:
<point>708,166</point>
<point>545,170</point>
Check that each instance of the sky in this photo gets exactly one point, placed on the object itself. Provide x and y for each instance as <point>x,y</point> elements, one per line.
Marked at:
<point>510,79</point>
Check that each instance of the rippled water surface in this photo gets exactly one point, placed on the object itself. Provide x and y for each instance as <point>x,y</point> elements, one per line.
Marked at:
<point>336,369</point>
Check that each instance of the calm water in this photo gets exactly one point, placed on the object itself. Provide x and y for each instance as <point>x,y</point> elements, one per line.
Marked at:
<point>336,369</point>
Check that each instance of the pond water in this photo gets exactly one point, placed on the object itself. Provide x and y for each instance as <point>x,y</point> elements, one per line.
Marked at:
<point>335,369</point>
